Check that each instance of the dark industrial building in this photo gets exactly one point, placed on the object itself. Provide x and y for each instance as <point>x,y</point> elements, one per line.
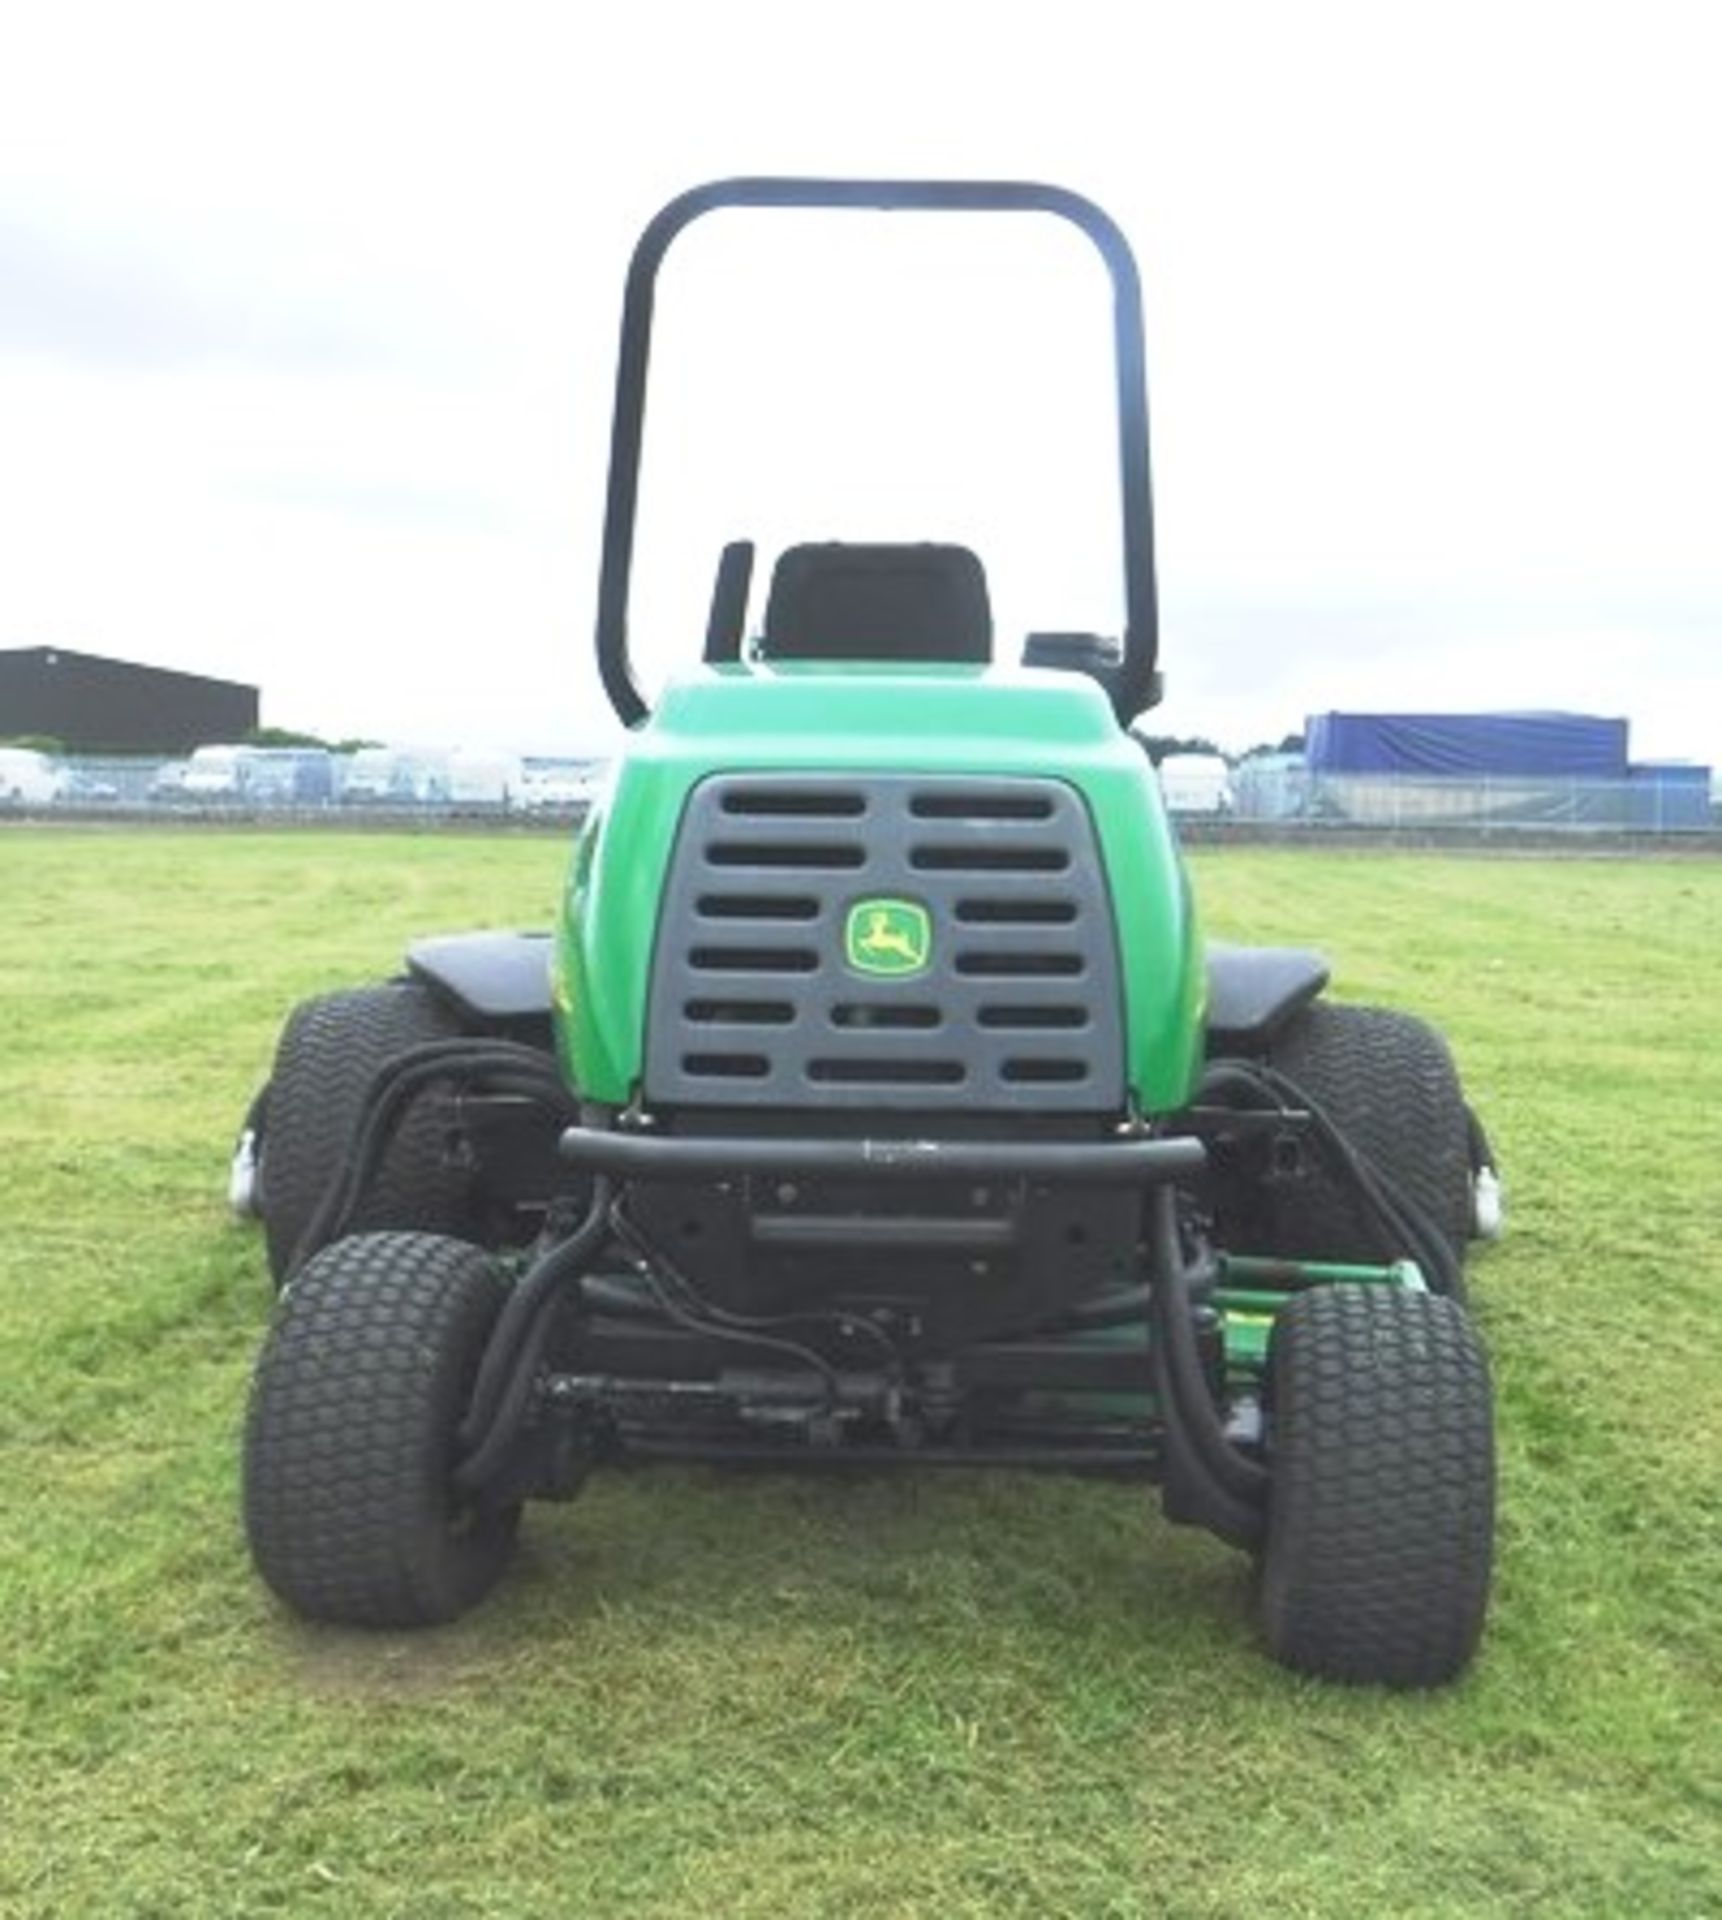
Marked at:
<point>111,706</point>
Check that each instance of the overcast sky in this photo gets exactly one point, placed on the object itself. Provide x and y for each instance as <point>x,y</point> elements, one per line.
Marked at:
<point>307,322</point>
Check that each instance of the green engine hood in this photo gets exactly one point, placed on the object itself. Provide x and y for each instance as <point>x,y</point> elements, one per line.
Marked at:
<point>812,719</point>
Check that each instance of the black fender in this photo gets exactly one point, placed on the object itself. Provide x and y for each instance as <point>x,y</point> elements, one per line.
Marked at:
<point>496,982</point>
<point>502,979</point>
<point>1254,991</point>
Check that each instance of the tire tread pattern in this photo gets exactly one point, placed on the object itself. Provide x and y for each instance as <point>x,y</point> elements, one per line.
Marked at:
<point>331,1049</point>
<point>1388,1082</point>
<point>1380,1541</point>
<point>350,1434</point>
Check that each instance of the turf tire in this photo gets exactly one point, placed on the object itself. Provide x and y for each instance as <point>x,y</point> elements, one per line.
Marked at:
<point>350,1436</point>
<point>330,1051</point>
<point>1387,1081</point>
<point>1381,1517</point>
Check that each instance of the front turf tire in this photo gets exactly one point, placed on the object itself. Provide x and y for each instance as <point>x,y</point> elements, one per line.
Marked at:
<point>1381,1511</point>
<point>350,1507</point>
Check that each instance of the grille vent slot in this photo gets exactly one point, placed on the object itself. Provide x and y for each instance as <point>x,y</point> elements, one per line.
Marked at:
<point>753,960</point>
<point>866,1071</point>
<point>1026,912</point>
<point>740,1013</point>
<point>1045,1072</point>
<point>792,803</point>
<point>893,1014</point>
<point>982,857</point>
<point>804,856</point>
<point>980,806</point>
<point>726,1066</point>
<point>1004,964</point>
<point>1051,1018</point>
<point>757,906</point>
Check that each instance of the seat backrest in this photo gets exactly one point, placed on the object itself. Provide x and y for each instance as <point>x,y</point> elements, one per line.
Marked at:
<point>837,601</point>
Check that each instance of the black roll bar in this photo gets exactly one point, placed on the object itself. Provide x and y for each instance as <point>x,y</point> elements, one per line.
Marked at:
<point>1134,686</point>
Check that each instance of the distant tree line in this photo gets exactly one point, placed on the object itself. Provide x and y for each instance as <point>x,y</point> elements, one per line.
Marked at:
<point>1159,745</point>
<point>256,737</point>
<point>1156,745</point>
<point>290,737</point>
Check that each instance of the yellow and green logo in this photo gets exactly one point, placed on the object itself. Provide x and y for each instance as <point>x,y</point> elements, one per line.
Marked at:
<point>888,938</point>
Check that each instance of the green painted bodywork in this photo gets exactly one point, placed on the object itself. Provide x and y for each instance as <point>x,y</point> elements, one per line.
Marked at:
<point>1250,1295</point>
<point>1249,1270</point>
<point>1252,1290</point>
<point>853,718</point>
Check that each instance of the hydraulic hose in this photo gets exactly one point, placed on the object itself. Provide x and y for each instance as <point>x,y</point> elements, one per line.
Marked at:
<point>521,1314</point>
<point>498,1433</point>
<point>1191,1403</point>
<point>607,1293</point>
<point>502,1393</point>
<point>1104,1310</point>
<point>1215,1506</point>
<point>1396,1211</point>
<point>1403,1223</point>
<point>490,1065</point>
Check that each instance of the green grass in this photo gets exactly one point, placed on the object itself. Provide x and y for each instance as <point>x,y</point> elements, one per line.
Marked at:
<point>922,1695</point>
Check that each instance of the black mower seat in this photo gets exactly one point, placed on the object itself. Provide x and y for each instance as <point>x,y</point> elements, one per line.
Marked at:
<point>836,601</point>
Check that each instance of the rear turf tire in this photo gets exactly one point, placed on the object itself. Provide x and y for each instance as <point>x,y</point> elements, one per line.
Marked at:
<point>331,1049</point>
<point>1387,1081</point>
<point>350,1437</point>
<point>1381,1520</point>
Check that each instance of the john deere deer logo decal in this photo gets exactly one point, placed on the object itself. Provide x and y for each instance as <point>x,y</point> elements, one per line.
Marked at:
<point>887,937</point>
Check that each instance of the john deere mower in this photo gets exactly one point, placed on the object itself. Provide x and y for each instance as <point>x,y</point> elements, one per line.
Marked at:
<point>875,1102</point>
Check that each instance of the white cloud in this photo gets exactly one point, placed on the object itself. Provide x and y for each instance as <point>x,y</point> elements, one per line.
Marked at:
<point>312,312</point>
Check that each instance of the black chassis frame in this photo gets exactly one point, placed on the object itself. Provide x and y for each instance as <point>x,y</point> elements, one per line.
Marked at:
<point>628,1362</point>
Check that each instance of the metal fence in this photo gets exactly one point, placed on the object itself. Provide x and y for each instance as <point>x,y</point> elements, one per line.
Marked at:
<point>88,784</point>
<point>1276,794</point>
<point>1292,795</point>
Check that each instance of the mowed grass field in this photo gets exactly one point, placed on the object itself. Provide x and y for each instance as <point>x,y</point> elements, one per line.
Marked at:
<point>928,1694</point>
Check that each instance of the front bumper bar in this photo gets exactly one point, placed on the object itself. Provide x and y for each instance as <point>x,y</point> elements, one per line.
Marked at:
<point>649,1156</point>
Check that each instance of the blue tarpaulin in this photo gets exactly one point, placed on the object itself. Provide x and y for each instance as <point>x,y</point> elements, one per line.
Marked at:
<point>1575,746</point>
<point>1669,794</point>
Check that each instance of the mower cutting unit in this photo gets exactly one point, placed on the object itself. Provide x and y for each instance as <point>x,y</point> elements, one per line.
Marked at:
<point>876,1100</point>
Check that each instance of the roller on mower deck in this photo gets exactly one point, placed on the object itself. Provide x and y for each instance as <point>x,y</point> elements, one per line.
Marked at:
<point>876,1100</point>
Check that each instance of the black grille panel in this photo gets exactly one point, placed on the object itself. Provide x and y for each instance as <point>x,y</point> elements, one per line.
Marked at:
<point>755,1003</point>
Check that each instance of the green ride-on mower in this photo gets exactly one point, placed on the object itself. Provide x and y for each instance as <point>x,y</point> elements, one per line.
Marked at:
<point>876,1101</point>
